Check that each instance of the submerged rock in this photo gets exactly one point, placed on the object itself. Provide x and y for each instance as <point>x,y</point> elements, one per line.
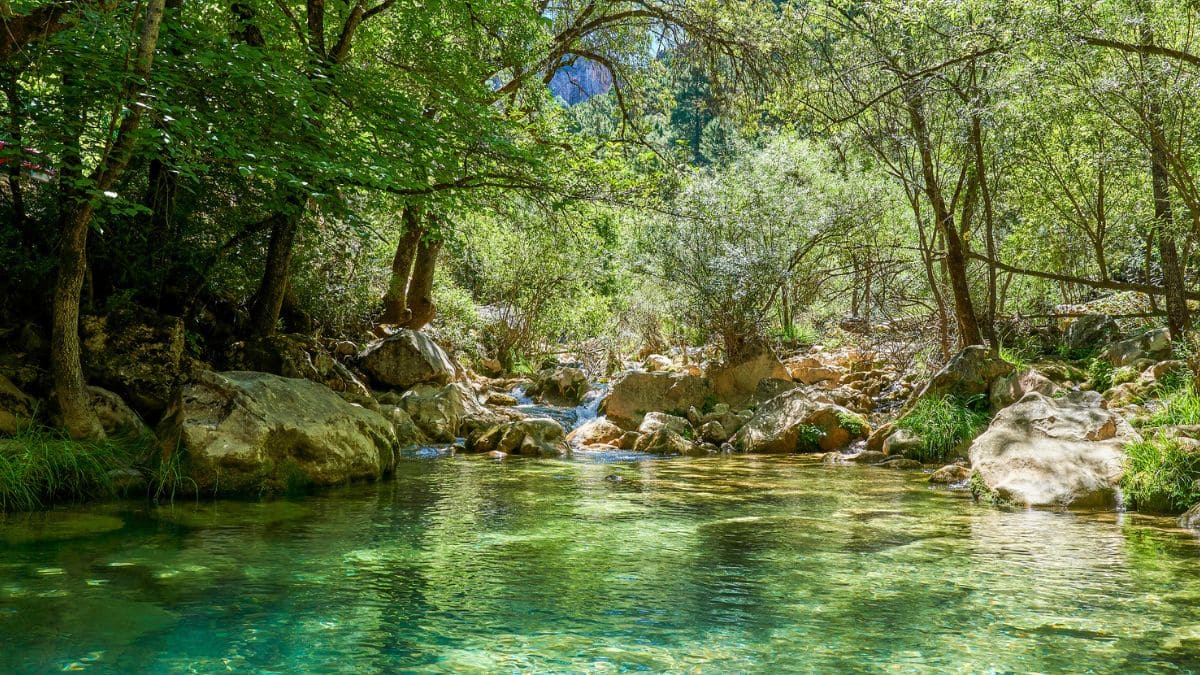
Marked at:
<point>663,441</point>
<point>1191,518</point>
<point>950,474</point>
<point>1044,451</point>
<point>405,359</point>
<point>246,433</point>
<point>793,422</point>
<point>635,393</point>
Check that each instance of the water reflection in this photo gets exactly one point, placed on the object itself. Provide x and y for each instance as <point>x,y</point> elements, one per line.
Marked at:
<point>718,563</point>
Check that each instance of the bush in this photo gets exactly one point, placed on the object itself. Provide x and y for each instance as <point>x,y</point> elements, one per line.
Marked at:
<point>943,424</point>
<point>1161,475</point>
<point>40,466</point>
<point>1100,372</point>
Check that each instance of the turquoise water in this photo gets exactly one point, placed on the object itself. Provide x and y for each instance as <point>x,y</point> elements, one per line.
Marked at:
<point>711,565</point>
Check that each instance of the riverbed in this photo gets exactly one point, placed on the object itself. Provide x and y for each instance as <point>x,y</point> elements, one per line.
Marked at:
<point>602,562</point>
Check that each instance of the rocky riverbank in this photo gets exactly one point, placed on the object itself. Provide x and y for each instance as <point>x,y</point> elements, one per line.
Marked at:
<point>297,413</point>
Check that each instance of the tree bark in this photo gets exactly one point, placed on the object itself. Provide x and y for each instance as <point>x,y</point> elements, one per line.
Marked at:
<point>420,288</point>
<point>395,301</point>
<point>268,300</point>
<point>956,260</point>
<point>79,207</point>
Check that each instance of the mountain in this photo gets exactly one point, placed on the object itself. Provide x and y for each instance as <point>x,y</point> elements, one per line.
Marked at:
<point>580,81</point>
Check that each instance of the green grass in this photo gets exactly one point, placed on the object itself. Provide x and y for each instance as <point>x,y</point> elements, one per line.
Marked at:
<point>943,424</point>
<point>852,423</point>
<point>1161,475</point>
<point>1180,405</point>
<point>41,466</point>
<point>1019,356</point>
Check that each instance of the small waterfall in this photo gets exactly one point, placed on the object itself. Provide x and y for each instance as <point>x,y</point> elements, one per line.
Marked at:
<point>570,417</point>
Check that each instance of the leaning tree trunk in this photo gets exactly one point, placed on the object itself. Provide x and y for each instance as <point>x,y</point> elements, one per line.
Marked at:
<point>420,287</point>
<point>395,301</point>
<point>65,354</point>
<point>956,259</point>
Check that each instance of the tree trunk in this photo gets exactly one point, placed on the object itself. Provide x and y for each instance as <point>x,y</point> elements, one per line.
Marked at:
<point>65,355</point>
<point>79,207</point>
<point>1174,285</point>
<point>956,260</point>
<point>268,301</point>
<point>395,301</point>
<point>420,287</point>
<point>989,326</point>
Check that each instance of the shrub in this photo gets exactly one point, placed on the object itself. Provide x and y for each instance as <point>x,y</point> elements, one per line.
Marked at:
<point>1100,372</point>
<point>943,424</point>
<point>1161,475</point>
<point>810,438</point>
<point>852,423</point>
<point>40,466</point>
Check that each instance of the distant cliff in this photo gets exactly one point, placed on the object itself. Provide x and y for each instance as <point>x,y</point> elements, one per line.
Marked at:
<point>578,82</point>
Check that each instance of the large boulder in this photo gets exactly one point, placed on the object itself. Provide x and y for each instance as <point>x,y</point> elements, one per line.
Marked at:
<point>636,393</point>
<point>297,355</point>
<point>533,437</point>
<point>137,354</point>
<point>794,422</point>
<point>663,441</point>
<point>1153,345</point>
<point>737,383</point>
<point>116,418</point>
<point>1044,451</point>
<point>405,359</point>
<point>248,433</point>
<point>1010,389</point>
<point>596,432</point>
<point>16,408</point>
<point>654,421</point>
<point>970,373</point>
<point>560,386</point>
<point>1091,330</point>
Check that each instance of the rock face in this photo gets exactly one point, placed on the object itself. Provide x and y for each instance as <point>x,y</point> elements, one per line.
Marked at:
<point>970,373</point>
<point>533,437</point>
<point>137,354</point>
<point>560,386</point>
<point>246,433</point>
<point>1153,345</point>
<point>447,412</point>
<point>636,393</point>
<point>792,422</point>
<point>1010,389</point>
<point>596,432</point>
<point>405,359</point>
<point>16,409</point>
<point>116,417</point>
<point>1092,330</point>
<point>1044,451</point>
<point>736,384</point>
<point>296,355</point>
<point>655,421</point>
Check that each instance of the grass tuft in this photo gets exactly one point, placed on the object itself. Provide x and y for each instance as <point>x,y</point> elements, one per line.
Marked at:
<point>1180,406</point>
<point>943,424</point>
<point>42,466</point>
<point>1100,372</point>
<point>1161,475</point>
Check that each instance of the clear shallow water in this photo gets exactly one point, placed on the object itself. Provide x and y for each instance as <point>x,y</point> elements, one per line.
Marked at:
<point>712,564</point>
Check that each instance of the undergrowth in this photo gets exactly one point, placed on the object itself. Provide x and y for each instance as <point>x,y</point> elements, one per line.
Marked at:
<point>1161,475</point>
<point>41,466</point>
<point>943,424</point>
<point>1180,404</point>
<point>1100,372</point>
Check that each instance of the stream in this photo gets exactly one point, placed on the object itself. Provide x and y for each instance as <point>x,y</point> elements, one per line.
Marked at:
<point>600,562</point>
